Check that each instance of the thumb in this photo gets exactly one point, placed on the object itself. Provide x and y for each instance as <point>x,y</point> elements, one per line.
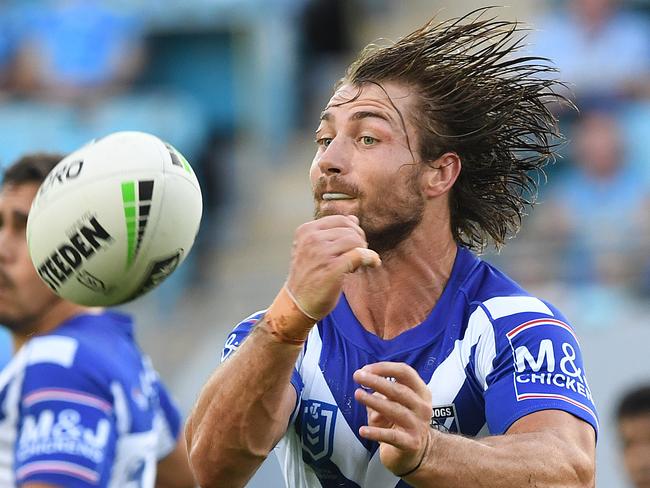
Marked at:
<point>358,257</point>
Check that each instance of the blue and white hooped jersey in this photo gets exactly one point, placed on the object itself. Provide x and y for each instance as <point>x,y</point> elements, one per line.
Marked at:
<point>489,352</point>
<point>81,407</point>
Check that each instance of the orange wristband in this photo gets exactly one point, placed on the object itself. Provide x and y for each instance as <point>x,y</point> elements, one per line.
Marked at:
<point>286,321</point>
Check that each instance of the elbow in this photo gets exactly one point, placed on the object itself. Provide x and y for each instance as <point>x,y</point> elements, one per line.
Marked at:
<point>223,468</point>
<point>206,468</point>
<point>206,476</point>
<point>214,463</point>
<point>585,471</point>
<point>198,453</point>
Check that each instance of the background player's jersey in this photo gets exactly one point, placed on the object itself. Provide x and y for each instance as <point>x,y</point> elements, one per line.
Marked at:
<point>489,352</point>
<point>82,407</point>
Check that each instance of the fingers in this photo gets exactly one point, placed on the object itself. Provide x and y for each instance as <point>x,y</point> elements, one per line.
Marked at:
<point>334,221</point>
<point>394,437</point>
<point>339,240</point>
<point>403,374</point>
<point>375,419</point>
<point>390,410</point>
<point>356,258</point>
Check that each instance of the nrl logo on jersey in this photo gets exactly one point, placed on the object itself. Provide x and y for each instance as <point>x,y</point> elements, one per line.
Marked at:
<point>318,421</point>
<point>444,418</point>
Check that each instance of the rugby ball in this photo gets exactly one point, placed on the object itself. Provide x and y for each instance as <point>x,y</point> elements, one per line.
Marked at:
<point>114,219</point>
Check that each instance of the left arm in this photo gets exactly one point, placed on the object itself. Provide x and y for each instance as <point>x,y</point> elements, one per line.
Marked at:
<point>549,448</point>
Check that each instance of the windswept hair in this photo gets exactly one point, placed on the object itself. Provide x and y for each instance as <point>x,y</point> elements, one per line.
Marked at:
<point>481,102</point>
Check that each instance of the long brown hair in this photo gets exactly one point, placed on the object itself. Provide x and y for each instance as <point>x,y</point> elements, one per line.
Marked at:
<point>481,102</point>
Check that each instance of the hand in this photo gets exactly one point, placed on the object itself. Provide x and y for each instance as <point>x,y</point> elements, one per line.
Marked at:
<point>399,413</point>
<point>324,250</point>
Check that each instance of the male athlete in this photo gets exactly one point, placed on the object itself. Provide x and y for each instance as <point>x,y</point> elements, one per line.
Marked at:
<point>390,337</point>
<point>633,417</point>
<point>80,406</point>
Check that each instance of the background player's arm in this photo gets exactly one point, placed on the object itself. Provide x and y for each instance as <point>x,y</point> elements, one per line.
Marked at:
<point>242,411</point>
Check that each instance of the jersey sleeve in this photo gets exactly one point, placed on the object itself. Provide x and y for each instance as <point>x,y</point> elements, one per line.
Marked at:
<point>168,420</point>
<point>537,366</point>
<point>66,435</point>
<point>239,334</point>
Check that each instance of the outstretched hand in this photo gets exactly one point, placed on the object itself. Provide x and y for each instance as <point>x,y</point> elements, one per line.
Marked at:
<point>399,414</point>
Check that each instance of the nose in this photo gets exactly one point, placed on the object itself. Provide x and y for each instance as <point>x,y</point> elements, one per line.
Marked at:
<point>6,246</point>
<point>334,160</point>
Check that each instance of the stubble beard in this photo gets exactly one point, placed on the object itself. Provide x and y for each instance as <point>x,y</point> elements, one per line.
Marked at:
<point>389,219</point>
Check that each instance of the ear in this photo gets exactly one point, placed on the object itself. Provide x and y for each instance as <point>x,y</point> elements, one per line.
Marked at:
<point>441,174</point>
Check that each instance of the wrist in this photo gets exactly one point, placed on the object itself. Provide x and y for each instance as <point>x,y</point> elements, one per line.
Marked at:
<point>417,475</point>
<point>424,455</point>
<point>286,321</point>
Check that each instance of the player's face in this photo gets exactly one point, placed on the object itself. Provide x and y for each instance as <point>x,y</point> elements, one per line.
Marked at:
<point>23,296</point>
<point>363,164</point>
<point>635,437</point>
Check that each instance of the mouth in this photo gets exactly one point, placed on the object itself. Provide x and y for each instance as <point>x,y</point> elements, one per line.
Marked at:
<point>337,196</point>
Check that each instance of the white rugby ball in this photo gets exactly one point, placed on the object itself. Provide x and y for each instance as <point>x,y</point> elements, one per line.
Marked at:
<point>114,219</point>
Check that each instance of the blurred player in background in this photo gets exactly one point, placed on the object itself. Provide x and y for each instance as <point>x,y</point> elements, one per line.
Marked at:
<point>80,404</point>
<point>390,336</point>
<point>633,417</point>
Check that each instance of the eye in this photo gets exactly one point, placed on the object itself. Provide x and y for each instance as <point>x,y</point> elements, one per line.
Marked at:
<point>324,141</point>
<point>368,140</point>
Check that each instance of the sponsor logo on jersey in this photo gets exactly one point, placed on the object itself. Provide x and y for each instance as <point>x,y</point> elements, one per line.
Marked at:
<point>318,421</point>
<point>550,367</point>
<point>231,345</point>
<point>62,433</point>
<point>444,418</point>
<point>84,241</point>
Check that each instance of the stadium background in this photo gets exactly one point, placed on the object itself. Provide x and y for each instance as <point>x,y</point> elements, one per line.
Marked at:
<point>236,85</point>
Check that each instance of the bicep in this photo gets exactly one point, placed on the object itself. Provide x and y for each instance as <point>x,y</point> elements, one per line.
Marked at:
<point>568,428</point>
<point>562,437</point>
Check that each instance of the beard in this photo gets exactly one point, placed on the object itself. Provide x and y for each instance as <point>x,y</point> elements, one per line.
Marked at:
<point>388,218</point>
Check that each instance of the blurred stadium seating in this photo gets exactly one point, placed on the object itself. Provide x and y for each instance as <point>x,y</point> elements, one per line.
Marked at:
<point>234,84</point>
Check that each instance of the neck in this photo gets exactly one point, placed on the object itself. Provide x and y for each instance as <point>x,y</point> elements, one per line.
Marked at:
<point>400,294</point>
<point>47,321</point>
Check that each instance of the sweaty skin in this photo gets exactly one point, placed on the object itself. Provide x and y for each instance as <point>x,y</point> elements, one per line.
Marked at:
<point>364,166</point>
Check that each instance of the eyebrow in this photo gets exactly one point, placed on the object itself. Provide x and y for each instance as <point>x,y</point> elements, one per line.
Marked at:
<point>20,217</point>
<point>363,114</point>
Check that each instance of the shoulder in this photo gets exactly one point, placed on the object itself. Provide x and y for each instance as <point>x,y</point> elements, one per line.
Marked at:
<point>60,350</point>
<point>86,349</point>
<point>494,298</point>
<point>58,367</point>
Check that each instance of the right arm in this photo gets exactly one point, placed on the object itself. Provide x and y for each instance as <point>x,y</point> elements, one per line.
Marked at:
<point>242,411</point>
<point>245,407</point>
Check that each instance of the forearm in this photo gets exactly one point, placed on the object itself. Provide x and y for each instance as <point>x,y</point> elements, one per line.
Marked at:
<point>242,411</point>
<point>540,459</point>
